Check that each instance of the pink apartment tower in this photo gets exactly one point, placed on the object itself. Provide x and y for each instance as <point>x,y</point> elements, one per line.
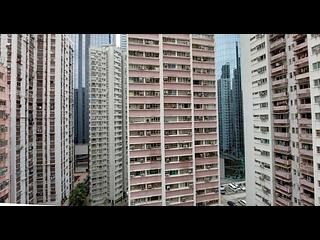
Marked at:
<point>172,132</point>
<point>4,136</point>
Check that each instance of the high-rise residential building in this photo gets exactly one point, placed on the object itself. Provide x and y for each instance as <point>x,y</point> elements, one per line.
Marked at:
<point>125,121</point>
<point>282,136</point>
<point>123,42</point>
<point>230,104</point>
<point>172,113</point>
<point>4,136</point>
<point>40,75</point>
<point>82,43</point>
<point>106,160</point>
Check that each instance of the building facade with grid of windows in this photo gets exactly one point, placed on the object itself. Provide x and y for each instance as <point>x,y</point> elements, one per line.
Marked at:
<point>172,120</point>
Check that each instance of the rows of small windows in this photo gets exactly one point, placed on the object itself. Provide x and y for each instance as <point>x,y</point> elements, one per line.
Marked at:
<point>172,106</point>
<point>258,59</point>
<point>259,70</point>
<point>202,47</point>
<point>144,54</point>
<point>258,47</point>
<point>146,200</point>
<point>151,42</point>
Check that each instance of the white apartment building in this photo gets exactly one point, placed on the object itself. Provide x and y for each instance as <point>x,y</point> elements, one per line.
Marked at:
<point>281,107</point>
<point>40,74</point>
<point>105,123</point>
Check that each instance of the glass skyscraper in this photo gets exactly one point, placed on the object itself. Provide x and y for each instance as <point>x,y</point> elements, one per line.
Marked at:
<point>230,104</point>
<point>82,43</point>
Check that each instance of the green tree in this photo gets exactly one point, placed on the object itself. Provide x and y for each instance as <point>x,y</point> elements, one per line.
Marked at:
<point>79,195</point>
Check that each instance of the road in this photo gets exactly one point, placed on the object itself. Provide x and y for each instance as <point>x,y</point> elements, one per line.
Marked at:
<point>230,195</point>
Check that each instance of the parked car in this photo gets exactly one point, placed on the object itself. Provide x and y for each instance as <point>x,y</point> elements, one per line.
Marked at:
<point>230,203</point>
<point>242,202</point>
<point>222,190</point>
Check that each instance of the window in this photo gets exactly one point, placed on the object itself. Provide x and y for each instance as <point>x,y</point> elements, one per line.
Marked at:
<point>316,82</point>
<point>316,66</point>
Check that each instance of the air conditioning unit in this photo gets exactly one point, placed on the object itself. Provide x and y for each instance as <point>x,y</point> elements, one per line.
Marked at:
<point>167,175</point>
<point>167,160</point>
<point>148,147</point>
<point>148,133</point>
<point>168,188</point>
<point>190,185</point>
<point>183,199</point>
<point>190,171</point>
<point>149,186</point>
<point>148,120</point>
<point>141,134</point>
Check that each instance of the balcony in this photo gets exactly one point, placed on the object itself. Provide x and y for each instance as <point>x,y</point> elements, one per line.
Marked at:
<point>281,135</point>
<point>302,92</point>
<point>300,47</point>
<point>306,152</point>
<point>307,183</point>
<point>283,174</point>
<point>283,201</point>
<point>284,108</point>
<point>284,188</point>
<point>307,198</point>
<point>278,96</point>
<point>301,61</point>
<point>306,169</point>
<point>278,56</point>
<point>282,161</point>
<point>298,36</point>
<point>304,121</point>
<point>281,148</point>
<point>280,82</point>
<point>304,107</point>
<point>278,69</point>
<point>305,137</point>
<point>281,121</point>
<point>278,43</point>
<point>302,76</point>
